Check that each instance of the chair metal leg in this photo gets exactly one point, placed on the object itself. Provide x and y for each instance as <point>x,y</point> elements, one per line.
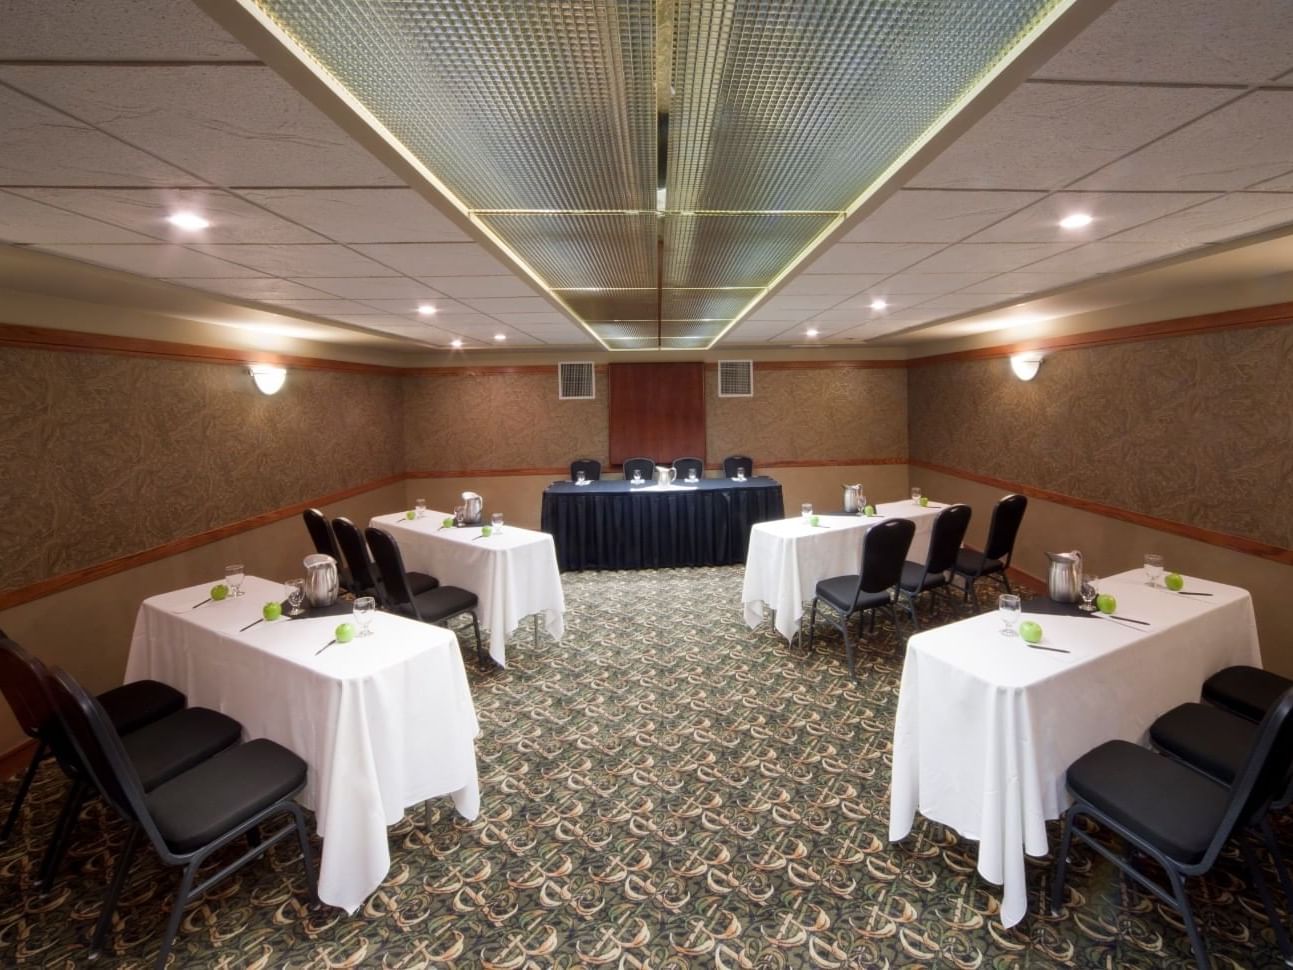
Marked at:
<point>1005,581</point>
<point>1187,916</point>
<point>1272,914</point>
<point>911,609</point>
<point>28,777</point>
<point>893,611</point>
<point>177,911</point>
<point>62,834</point>
<point>1281,869</point>
<point>848,648</point>
<point>536,631</point>
<point>307,855</point>
<point>114,890</point>
<point>480,649</point>
<point>812,625</point>
<point>1061,864</point>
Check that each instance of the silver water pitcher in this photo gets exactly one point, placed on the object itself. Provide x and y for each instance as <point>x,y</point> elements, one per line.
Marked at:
<point>853,498</point>
<point>1065,580</point>
<point>473,507</point>
<point>321,582</point>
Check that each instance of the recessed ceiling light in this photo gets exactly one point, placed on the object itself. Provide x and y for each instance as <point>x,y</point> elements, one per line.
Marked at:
<point>812,331</point>
<point>426,310</point>
<point>879,303</point>
<point>500,337</point>
<point>1078,220</point>
<point>189,221</point>
<point>455,342</point>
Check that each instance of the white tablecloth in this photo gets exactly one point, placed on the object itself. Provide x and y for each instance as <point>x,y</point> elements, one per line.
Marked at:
<point>986,727</point>
<point>788,558</point>
<point>384,722</point>
<point>513,574</point>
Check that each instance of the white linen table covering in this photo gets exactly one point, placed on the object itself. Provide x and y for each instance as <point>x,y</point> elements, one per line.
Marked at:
<point>987,727</point>
<point>513,573</point>
<point>788,558</point>
<point>384,722</point>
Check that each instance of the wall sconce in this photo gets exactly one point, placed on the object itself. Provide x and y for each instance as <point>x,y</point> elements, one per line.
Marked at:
<point>1026,365</point>
<point>268,378</point>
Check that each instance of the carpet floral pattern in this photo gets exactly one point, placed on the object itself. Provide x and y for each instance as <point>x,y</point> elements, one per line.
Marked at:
<point>663,788</point>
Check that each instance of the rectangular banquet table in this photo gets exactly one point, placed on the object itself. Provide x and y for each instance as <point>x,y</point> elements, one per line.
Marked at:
<point>513,573</point>
<point>616,525</point>
<point>987,727</point>
<point>384,722</point>
<point>788,558</point>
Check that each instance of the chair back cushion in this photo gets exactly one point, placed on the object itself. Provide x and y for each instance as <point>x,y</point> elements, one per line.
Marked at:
<point>386,554</point>
<point>732,462</point>
<point>683,466</point>
<point>351,541</point>
<point>946,538</point>
<point>1265,775</point>
<point>320,534</point>
<point>1004,526</point>
<point>645,465</point>
<point>884,550</point>
<point>591,467</point>
<point>22,681</point>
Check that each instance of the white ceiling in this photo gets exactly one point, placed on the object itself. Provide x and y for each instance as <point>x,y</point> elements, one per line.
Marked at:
<point>1167,122</point>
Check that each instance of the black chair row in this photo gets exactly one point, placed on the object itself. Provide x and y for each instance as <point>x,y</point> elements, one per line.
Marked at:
<point>1219,771</point>
<point>177,776</point>
<point>592,468</point>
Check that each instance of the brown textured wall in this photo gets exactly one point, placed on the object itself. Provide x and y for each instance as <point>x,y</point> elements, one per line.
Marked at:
<point>814,414</point>
<point>1195,429</point>
<point>499,420</point>
<point>108,455</point>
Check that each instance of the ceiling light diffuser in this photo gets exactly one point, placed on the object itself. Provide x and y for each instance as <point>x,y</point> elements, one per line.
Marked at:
<point>426,310</point>
<point>879,304</point>
<point>188,221</point>
<point>1078,220</point>
<point>500,337</point>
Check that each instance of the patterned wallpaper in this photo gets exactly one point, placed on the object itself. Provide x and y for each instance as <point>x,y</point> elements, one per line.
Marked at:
<point>500,420</point>
<point>811,414</point>
<point>109,455</point>
<point>1195,429</point>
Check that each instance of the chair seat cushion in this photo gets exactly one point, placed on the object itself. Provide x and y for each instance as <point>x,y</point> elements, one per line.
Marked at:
<point>971,562</point>
<point>839,592</point>
<point>1214,741</point>
<point>131,706</point>
<point>914,579</point>
<point>1247,691</point>
<point>443,602</point>
<point>421,582</point>
<point>171,746</point>
<point>223,792</point>
<point>1172,807</point>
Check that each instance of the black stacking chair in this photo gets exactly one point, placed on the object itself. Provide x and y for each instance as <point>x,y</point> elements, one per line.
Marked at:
<point>644,465</point>
<point>193,814</point>
<point>362,575</point>
<point>1248,692</point>
<point>591,467</point>
<point>883,552</point>
<point>733,462</point>
<point>684,465</point>
<point>159,750</point>
<point>1177,816</point>
<point>936,571</point>
<point>326,543</point>
<point>438,605</point>
<point>994,560</point>
<point>130,707</point>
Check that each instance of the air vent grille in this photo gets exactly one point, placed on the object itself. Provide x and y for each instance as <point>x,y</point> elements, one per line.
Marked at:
<point>575,381</point>
<point>736,378</point>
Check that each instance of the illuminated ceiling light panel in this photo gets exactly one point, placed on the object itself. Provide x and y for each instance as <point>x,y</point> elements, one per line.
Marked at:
<point>551,126</point>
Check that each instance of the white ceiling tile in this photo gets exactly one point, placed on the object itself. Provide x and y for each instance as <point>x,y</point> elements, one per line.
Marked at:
<point>892,301</point>
<point>1043,136</point>
<point>906,284</point>
<point>153,260</point>
<point>442,304</point>
<point>527,320</point>
<point>949,302</point>
<point>394,215</point>
<point>798,301</point>
<point>988,257</point>
<point>229,124</point>
<point>1228,217</point>
<point>324,259</point>
<point>840,318</point>
<point>1248,141</point>
<point>831,284</point>
<point>141,30</point>
<point>1020,284</point>
<point>935,215</point>
<point>145,210</point>
<point>510,304</point>
<point>870,257</point>
<point>462,287</point>
<point>44,147</point>
<point>1111,212</point>
<point>322,308</point>
<point>777,314</point>
<point>377,320</point>
<point>437,259</point>
<point>1184,41</point>
<point>253,289</point>
<point>1282,184</point>
<point>368,288</point>
<point>26,221</point>
<point>1105,257</point>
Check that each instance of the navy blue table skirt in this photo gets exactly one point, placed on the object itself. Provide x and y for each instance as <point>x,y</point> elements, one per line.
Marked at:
<point>613,525</point>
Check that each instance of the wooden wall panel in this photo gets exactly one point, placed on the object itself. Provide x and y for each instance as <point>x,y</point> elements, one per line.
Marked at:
<point>656,411</point>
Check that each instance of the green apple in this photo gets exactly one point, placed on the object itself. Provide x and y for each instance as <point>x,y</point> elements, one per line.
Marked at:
<point>1031,631</point>
<point>219,591</point>
<point>448,522</point>
<point>1175,582</point>
<point>869,510</point>
<point>345,633</point>
<point>1106,603</point>
<point>924,501</point>
<point>486,530</point>
<point>271,611</point>
<point>815,520</point>
<point>410,514</point>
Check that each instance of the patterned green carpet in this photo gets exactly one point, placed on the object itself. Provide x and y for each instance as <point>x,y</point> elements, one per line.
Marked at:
<point>664,788</point>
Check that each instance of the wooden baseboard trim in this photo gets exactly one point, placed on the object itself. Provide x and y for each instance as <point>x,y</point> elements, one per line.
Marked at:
<point>1224,540</point>
<point>15,760</point>
<point>54,584</point>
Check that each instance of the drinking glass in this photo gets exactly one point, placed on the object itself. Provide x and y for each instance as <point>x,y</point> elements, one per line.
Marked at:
<point>580,478</point>
<point>915,495</point>
<point>691,474</point>
<point>740,473</point>
<point>497,520</point>
<point>1153,568</point>
<point>234,575</point>
<point>420,506</point>
<point>363,610</point>
<point>295,596</point>
<point>1089,589</point>
<point>806,510</point>
<point>1009,607</point>
<point>637,477</point>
